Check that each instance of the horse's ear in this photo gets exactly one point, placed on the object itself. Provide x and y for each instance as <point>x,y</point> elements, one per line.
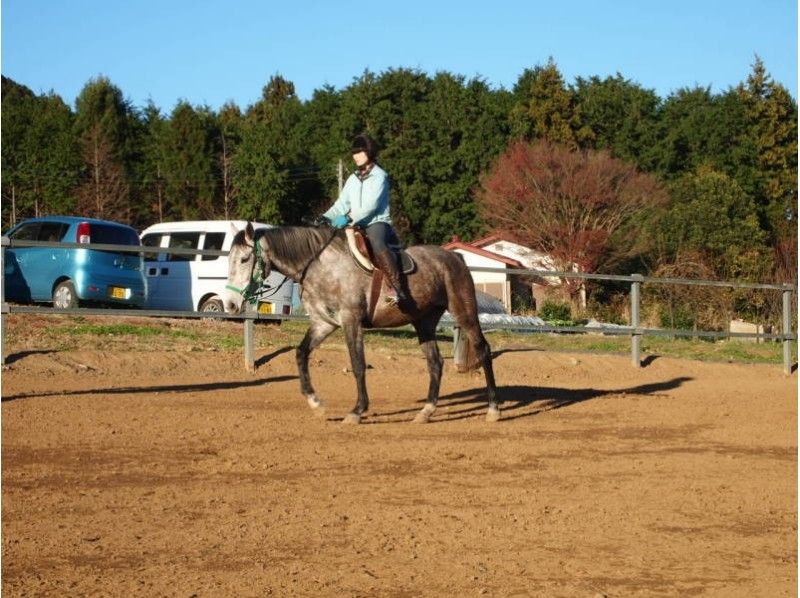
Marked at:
<point>249,233</point>
<point>234,230</point>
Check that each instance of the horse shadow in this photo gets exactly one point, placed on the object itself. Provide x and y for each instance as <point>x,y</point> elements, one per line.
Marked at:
<point>519,400</point>
<point>176,388</point>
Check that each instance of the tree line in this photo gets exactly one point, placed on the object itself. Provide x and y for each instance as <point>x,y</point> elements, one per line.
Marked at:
<point>715,173</point>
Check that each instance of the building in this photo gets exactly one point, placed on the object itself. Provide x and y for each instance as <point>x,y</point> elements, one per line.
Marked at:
<point>517,292</point>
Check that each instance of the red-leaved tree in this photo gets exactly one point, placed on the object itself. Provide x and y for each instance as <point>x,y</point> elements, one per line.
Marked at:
<point>581,207</point>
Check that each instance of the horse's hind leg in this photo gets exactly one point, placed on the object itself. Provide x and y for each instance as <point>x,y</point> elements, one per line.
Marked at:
<point>426,333</point>
<point>316,333</point>
<point>464,311</point>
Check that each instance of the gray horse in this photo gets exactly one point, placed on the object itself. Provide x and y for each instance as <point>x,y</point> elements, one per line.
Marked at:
<point>337,293</point>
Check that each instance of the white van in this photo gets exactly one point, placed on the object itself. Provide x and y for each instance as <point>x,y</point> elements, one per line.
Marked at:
<point>196,282</point>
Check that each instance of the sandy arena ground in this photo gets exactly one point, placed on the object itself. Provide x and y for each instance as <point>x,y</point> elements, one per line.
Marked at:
<point>181,474</point>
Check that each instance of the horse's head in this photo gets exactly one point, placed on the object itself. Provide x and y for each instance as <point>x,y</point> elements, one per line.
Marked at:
<point>248,267</point>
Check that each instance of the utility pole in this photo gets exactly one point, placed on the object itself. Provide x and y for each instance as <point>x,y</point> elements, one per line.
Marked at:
<point>340,171</point>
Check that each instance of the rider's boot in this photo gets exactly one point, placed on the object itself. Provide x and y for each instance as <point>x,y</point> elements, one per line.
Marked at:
<point>387,262</point>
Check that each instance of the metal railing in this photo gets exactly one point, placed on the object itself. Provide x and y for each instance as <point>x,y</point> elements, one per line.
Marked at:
<point>634,330</point>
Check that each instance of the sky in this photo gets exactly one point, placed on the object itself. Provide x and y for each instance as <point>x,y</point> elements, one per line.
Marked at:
<point>211,52</point>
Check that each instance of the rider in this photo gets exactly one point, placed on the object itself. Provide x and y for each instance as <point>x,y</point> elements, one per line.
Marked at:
<point>364,202</point>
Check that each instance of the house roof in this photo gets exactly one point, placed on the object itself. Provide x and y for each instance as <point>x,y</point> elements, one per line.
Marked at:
<point>458,244</point>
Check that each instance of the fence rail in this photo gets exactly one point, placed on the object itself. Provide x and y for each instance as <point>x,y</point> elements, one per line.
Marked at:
<point>634,330</point>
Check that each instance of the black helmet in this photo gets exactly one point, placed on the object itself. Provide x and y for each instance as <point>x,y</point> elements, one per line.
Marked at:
<point>365,143</point>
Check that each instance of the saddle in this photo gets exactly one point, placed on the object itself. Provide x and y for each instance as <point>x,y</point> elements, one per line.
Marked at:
<point>361,250</point>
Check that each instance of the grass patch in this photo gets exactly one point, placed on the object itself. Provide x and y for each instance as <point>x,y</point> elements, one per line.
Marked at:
<point>64,333</point>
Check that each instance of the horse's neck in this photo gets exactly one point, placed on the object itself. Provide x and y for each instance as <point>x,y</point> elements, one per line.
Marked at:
<point>293,249</point>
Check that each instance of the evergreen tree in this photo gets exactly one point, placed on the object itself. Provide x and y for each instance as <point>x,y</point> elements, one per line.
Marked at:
<point>619,116</point>
<point>545,108</point>
<point>268,164</point>
<point>189,173</point>
<point>102,124</point>
<point>772,129</point>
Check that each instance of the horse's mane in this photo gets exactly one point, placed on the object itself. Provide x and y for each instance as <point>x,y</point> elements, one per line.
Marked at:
<point>296,246</point>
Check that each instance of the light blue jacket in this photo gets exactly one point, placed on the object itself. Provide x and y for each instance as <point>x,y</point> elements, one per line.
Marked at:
<point>366,202</point>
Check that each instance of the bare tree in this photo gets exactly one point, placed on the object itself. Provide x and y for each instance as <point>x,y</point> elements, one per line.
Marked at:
<point>104,193</point>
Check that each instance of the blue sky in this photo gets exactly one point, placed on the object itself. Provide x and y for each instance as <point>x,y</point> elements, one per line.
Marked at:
<point>210,52</point>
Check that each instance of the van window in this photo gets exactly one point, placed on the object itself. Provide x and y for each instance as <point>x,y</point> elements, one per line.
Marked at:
<point>213,241</point>
<point>183,241</point>
<point>152,240</point>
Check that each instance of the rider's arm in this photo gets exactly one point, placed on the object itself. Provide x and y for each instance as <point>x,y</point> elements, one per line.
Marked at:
<point>342,205</point>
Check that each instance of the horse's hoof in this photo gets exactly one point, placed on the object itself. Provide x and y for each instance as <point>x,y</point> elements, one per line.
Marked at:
<point>316,405</point>
<point>424,416</point>
<point>352,418</point>
<point>493,414</point>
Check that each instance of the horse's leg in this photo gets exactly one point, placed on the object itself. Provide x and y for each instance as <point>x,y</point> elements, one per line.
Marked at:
<point>354,336</point>
<point>461,303</point>
<point>426,333</point>
<point>316,333</point>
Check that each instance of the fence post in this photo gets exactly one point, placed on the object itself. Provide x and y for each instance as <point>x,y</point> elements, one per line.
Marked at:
<point>787,329</point>
<point>636,336</point>
<point>249,350</point>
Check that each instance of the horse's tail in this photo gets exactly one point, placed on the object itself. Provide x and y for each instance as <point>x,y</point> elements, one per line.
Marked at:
<point>463,306</point>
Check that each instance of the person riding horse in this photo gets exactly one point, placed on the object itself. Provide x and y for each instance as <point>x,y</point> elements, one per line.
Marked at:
<point>364,202</point>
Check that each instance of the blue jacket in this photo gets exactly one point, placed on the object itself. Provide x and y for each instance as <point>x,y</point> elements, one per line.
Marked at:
<point>366,202</point>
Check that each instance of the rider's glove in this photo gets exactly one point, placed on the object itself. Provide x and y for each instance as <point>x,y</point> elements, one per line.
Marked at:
<point>340,221</point>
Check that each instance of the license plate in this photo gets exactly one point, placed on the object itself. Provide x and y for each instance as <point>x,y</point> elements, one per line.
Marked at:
<point>265,308</point>
<point>118,292</point>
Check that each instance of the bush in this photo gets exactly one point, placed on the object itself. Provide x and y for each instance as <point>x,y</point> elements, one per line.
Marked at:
<point>555,311</point>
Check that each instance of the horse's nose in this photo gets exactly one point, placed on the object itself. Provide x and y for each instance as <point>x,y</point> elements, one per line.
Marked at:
<point>232,306</point>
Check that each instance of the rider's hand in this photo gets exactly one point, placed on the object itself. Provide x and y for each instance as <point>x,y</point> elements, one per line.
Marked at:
<point>340,221</point>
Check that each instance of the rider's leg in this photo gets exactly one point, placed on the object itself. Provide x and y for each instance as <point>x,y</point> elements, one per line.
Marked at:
<point>386,260</point>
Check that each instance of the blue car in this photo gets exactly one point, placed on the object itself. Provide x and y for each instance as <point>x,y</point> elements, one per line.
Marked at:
<point>67,276</point>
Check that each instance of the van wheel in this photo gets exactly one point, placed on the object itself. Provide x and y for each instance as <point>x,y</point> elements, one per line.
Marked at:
<point>64,296</point>
<point>213,304</point>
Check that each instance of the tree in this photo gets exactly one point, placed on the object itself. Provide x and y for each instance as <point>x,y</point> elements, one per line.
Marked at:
<point>771,114</point>
<point>545,108</point>
<point>269,162</point>
<point>569,204</point>
<point>102,124</point>
<point>229,136</point>
<point>618,115</point>
<point>710,215</point>
<point>189,170</point>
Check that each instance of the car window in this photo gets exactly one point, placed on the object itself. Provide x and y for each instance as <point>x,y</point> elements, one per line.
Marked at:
<point>213,241</point>
<point>183,241</point>
<point>152,240</point>
<point>27,232</point>
<point>52,231</point>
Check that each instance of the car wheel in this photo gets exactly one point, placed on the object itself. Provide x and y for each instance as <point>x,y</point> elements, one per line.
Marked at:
<point>64,296</point>
<point>213,305</point>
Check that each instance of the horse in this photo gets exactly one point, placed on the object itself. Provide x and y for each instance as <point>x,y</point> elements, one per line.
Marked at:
<point>336,294</point>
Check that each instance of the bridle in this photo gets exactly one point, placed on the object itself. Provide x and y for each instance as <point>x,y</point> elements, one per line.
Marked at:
<point>252,291</point>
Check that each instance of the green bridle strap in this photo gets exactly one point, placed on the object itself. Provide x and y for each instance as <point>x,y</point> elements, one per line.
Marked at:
<point>250,292</point>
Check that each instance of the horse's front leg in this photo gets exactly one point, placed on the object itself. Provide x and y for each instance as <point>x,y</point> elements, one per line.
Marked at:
<point>316,333</point>
<point>354,336</point>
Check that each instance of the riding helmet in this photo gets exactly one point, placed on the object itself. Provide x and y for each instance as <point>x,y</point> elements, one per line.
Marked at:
<point>365,143</point>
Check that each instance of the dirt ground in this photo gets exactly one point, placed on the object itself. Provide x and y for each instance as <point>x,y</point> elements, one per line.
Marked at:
<point>181,474</point>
